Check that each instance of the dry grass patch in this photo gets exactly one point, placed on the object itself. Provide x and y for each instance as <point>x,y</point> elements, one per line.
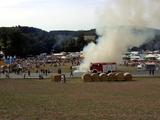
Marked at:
<point>76,100</point>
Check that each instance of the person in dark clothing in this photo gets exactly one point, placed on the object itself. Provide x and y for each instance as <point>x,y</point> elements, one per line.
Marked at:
<point>152,71</point>
<point>71,71</point>
<point>29,73</point>
<point>46,72</point>
<point>40,76</point>
<point>59,71</point>
<point>7,74</point>
<point>36,71</point>
<point>24,75</point>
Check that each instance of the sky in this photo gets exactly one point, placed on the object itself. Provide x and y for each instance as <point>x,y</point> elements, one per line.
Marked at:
<point>50,14</point>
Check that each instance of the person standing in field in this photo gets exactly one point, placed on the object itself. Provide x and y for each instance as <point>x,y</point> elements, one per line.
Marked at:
<point>59,71</point>
<point>7,74</point>
<point>63,78</point>
<point>29,73</point>
<point>153,71</point>
<point>71,71</point>
<point>24,75</point>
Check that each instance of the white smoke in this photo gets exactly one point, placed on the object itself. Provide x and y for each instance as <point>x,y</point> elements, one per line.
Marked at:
<point>118,24</point>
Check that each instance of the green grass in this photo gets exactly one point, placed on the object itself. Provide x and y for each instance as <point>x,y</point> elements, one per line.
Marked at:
<point>75,100</point>
<point>65,68</point>
<point>127,68</point>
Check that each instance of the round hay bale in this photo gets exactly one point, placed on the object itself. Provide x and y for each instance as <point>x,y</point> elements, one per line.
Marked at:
<point>103,77</point>
<point>56,78</point>
<point>127,76</point>
<point>120,76</point>
<point>86,77</point>
<point>112,76</point>
<point>95,77</point>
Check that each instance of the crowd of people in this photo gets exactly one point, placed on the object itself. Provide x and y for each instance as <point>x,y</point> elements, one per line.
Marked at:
<point>41,65</point>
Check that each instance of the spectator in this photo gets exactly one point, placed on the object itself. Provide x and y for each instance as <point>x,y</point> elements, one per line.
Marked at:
<point>59,71</point>
<point>63,78</point>
<point>7,74</point>
<point>40,76</point>
<point>71,71</point>
<point>29,73</point>
<point>46,72</point>
<point>152,71</point>
<point>24,76</point>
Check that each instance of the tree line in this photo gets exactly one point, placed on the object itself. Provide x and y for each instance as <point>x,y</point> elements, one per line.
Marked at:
<point>28,41</point>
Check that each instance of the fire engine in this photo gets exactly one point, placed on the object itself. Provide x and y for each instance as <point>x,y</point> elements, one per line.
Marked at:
<point>103,67</point>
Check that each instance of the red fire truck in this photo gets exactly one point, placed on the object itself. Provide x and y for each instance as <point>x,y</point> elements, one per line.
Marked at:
<point>103,67</point>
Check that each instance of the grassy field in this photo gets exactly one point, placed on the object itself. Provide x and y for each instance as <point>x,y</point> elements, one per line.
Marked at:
<point>44,100</point>
<point>64,68</point>
<point>126,68</point>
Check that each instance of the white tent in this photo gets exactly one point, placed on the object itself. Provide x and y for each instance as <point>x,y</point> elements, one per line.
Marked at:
<point>158,58</point>
<point>63,57</point>
<point>135,58</point>
<point>150,56</point>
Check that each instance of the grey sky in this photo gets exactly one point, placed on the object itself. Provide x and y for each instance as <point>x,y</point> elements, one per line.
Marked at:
<point>50,14</point>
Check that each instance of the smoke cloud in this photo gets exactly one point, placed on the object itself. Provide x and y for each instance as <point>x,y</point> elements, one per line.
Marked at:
<point>121,24</point>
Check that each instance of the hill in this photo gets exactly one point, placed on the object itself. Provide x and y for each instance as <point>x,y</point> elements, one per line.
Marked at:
<point>24,41</point>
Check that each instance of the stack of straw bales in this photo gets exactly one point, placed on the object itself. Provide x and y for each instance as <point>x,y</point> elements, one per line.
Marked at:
<point>114,76</point>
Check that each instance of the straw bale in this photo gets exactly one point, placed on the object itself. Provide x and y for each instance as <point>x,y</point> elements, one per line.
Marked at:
<point>103,77</point>
<point>95,77</point>
<point>56,77</point>
<point>127,76</point>
<point>86,77</point>
<point>111,76</point>
<point>120,76</point>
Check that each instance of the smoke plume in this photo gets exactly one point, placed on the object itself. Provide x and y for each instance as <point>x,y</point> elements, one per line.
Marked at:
<point>121,24</point>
